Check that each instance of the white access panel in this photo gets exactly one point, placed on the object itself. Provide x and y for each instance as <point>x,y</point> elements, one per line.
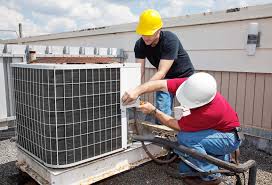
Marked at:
<point>130,78</point>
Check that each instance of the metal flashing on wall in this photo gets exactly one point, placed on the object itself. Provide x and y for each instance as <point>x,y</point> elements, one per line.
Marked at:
<point>15,50</point>
<point>258,132</point>
<point>12,50</point>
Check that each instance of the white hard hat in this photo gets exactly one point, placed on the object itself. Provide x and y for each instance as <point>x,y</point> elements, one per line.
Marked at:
<point>198,90</point>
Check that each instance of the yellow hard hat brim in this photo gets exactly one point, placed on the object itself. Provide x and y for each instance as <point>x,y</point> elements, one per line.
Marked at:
<point>141,30</point>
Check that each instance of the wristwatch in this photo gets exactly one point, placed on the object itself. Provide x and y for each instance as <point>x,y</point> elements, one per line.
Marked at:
<point>153,112</point>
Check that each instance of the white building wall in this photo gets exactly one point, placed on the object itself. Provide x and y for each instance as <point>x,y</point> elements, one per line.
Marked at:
<point>214,42</point>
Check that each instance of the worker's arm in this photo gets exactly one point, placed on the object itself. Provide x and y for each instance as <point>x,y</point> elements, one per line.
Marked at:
<point>142,62</point>
<point>150,86</point>
<point>148,108</point>
<point>163,68</point>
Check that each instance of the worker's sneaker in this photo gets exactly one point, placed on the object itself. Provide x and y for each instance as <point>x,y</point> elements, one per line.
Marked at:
<point>198,181</point>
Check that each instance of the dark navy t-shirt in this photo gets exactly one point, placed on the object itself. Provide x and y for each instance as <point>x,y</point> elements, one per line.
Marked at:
<point>168,48</point>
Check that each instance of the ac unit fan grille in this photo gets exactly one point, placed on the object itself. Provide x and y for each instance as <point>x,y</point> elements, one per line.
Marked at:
<point>67,115</point>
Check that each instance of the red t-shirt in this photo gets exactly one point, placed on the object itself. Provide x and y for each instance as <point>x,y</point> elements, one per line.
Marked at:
<point>218,114</point>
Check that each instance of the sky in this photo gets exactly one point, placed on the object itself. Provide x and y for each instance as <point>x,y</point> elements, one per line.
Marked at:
<point>40,17</point>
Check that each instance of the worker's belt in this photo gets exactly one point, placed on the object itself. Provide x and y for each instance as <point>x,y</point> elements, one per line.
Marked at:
<point>238,132</point>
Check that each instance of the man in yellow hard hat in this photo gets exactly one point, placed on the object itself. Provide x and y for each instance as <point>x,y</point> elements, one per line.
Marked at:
<point>164,51</point>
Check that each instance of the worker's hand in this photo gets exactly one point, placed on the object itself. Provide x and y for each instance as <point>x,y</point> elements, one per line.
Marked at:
<point>129,97</point>
<point>146,107</point>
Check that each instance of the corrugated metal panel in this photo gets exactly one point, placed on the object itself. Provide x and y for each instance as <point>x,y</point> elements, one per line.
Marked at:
<point>225,85</point>
<point>218,77</point>
<point>249,99</point>
<point>258,100</point>
<point>267,106</point>
<point>241,92</point>
<point>233,82</point>
<point>150,97</point>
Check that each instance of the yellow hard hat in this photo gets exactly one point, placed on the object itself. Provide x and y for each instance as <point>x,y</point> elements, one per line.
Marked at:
<point>150,21</point>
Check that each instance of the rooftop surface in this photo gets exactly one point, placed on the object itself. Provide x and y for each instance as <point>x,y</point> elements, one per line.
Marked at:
<point>149,173</point>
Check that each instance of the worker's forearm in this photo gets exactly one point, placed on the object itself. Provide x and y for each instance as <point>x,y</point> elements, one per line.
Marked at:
<point>151,86</point>
<point>158,76</point>
<point>167,120</point>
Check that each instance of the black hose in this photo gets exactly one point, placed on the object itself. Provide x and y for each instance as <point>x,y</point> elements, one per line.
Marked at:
<point>252,175</point>
<point>251,164</point>
<point>199,174</point>
<point>159,161</point>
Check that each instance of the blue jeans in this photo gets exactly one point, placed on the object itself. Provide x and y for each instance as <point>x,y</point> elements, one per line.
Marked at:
<point>164,103</point>
<point>211,142</point>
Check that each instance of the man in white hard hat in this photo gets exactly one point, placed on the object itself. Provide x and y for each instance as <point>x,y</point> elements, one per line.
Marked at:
<point>164,51</point>
<point>205,120</point>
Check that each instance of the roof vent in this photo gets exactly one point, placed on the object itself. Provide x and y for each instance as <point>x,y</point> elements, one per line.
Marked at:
<point>232,10</point>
